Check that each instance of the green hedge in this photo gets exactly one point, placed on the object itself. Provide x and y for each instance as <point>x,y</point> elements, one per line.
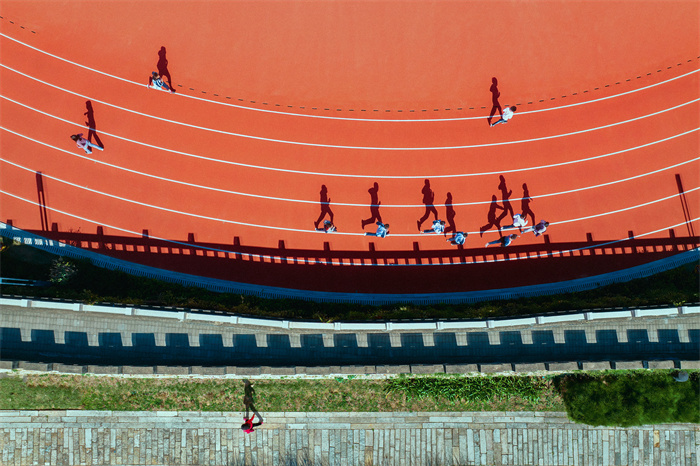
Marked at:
<point>630,398</point>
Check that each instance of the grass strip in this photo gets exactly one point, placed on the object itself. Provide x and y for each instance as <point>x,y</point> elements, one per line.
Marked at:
<point>611,398</point>
<point>341,394</point>
<point>470,388</point>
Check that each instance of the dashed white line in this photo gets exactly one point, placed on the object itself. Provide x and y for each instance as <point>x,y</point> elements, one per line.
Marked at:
<point>344,118</point>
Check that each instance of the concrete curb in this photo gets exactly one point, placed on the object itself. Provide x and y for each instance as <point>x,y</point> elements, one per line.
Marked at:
<point>327,372</point>
<point>183,315</point>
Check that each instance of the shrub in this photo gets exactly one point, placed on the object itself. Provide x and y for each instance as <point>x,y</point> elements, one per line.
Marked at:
<point>61,271</point>
<point>631,398</point>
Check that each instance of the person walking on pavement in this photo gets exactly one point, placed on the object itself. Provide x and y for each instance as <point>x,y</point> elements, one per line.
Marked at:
<point>248,424</point>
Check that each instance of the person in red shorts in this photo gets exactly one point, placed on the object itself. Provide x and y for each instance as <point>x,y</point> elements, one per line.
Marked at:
<point>248,425</point>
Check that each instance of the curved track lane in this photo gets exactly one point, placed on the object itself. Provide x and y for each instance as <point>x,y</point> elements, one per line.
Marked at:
<point>608,118</point>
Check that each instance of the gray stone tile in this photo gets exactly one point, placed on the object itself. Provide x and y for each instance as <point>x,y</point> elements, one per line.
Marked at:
<point>137,370</point>
<point>173,370</point>
<point>562,366</point>
<point>491,368</point>
<point>461,368</point>
<point>660,364</point>
<point>427,369</point>
<point>595,366</point>
<point>104,369</point>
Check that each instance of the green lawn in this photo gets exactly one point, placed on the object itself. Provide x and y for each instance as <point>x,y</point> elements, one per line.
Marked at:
<point>613,398</point>
<point>52,391</point>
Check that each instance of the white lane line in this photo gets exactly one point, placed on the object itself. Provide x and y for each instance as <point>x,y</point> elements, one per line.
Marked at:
<point>303,201</point>
<point>269,227</point>
<point>346,118</point>
<point>336,146</point>
<point>302,172</point>
<point>543,254</point>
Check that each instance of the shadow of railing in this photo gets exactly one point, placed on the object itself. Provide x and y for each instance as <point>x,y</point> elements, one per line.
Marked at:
<point>400,272</point>
<point>106,244</point>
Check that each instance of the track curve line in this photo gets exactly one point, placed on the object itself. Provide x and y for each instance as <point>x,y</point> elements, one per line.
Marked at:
<point>304,201</point>
<point>338,175</point>
<point>298,230</point>
<point>334,146</point>
<point>333,262</point>
<point>324,117</point>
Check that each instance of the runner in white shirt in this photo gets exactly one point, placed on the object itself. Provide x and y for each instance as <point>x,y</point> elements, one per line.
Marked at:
<point>507,115</point>
<point>438,227</point>
<point>155,81</point>
<point>538,229</point>
<point>84,143</point>
<point>458,238</point>
<point>382,230</point>
<point>518,222</point>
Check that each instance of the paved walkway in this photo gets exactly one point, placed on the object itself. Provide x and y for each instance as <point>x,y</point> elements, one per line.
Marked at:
<point>84,338</point>
<point>347,439</point>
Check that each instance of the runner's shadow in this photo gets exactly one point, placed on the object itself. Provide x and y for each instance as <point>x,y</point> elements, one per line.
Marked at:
<point>525,204</point>
<point>428,200</point>
<point>493,221</point>
<point>495,94</point>
<point>92,133</point>
<point>41,194</point>
<point>163,67</point>
<point>450,215</point>
<point>325,208</point>
<point>374,206</point>
<point>505,196</point>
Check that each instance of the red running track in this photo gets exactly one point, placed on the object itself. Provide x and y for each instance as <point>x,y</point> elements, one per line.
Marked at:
<point>275,99</point>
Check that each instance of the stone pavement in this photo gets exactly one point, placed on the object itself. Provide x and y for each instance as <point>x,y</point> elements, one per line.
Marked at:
<point>82,338</point>
<point>60,438</point>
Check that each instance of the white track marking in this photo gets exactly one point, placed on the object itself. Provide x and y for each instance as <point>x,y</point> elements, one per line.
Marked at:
<point>336,146</point>
<point>343,118</point>
<point>303,201</point>
<point>302,172</point>
<point>269,227</point>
